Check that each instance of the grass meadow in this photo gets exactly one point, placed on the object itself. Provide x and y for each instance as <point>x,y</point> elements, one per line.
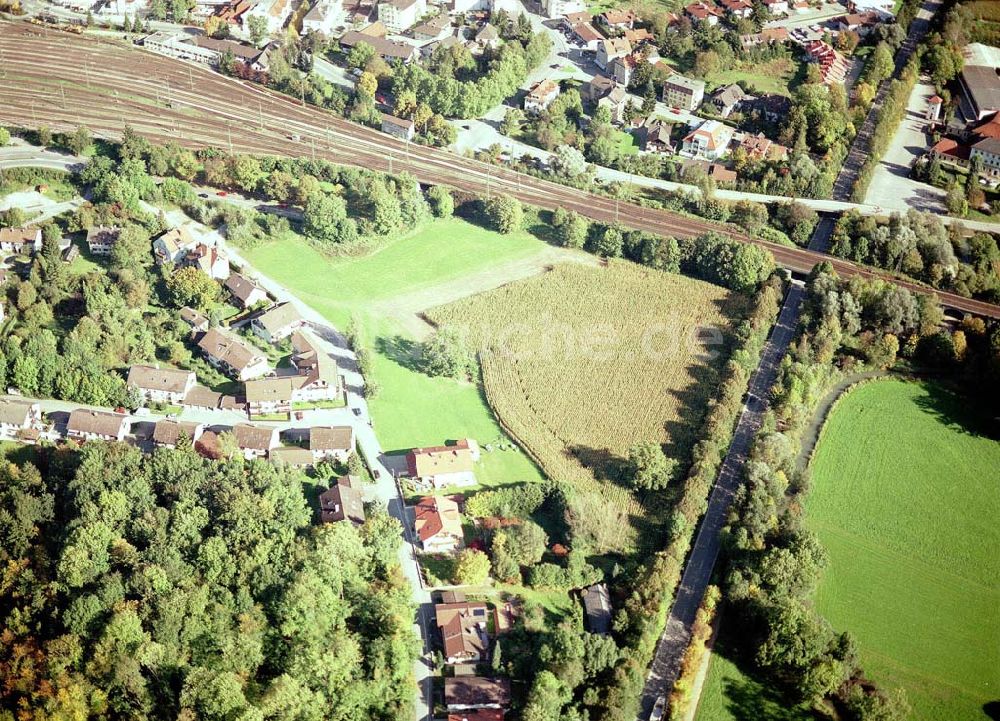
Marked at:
<point>582,363</point>
<point>905,498</point>
<point>412,409</point>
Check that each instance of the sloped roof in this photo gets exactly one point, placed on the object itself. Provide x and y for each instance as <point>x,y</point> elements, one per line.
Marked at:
<point>298,457</point>
<point>257,438</point>
<point>342,502</point>
<point>459,624</point>
<point>14,412</point>
<point>167,380</point>
<point>332,438</point>
<point>263,390</point>
<point>432,461</point>
<point>227,349</point>
<point>82,420</point>
<point>278,317</point>
<point>168,431</point>
<point>437,514</point>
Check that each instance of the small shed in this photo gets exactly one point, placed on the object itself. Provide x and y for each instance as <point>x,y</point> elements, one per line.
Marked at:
<point>597,604</point>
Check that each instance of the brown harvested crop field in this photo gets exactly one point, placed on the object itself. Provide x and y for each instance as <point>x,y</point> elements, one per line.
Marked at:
<point>581,363</point>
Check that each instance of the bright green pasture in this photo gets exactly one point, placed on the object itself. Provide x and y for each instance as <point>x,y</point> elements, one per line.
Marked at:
<point>906,500</point>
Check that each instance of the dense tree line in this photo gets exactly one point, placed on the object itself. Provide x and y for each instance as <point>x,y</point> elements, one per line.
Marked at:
<point>169,586</point>
<point>921,246</point>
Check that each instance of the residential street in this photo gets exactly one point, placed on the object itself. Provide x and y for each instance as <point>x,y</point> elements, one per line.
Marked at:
<point>891,187</point>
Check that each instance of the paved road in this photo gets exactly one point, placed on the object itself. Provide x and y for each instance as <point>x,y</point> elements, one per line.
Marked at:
<point>856,156</point>
<point>701,561</point>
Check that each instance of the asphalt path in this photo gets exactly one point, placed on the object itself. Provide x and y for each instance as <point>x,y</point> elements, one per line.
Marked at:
<point>701,561</point>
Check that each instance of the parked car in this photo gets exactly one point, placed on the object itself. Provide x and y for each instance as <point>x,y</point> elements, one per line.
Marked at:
<point>658,708</point>
<point>202,195</point>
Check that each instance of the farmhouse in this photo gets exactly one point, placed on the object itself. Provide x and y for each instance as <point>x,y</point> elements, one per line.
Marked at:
<point>342,502</point>
<point>17,416</point>
<point>232,356</point>
<point>277,323</point>
<point>442,466</point>
<point>87,425</point>
<point>438,524</point>
<point>255,441</point>
<point>167,433</point>
<point>476,692</point>
<point>26,240</point>
<point>100,239</point>
<point>160,385</point>
<point>463,631</point>
<point>245,292</point>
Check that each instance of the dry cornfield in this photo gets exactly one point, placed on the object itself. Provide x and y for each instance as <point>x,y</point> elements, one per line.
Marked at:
<point>581,363</point>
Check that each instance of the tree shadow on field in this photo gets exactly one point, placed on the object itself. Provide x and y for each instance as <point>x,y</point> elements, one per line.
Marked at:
<point>958,413</point>
<point>604,464</point>
<point>749,700</point>
<point>403,351</point>
<point>692,405</point>
<point>992,709</point>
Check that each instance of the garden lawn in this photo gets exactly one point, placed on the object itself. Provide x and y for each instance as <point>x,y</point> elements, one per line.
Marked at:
<point>411,409</point>
<point>770,77</point>
<point>905,498</point>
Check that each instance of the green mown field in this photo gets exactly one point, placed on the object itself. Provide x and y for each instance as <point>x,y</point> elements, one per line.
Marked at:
<point>731,695</point>
<point>906,499</point>
<point>412,409</point>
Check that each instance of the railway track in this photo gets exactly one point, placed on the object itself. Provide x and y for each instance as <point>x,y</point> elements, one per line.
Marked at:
<point>62,80</point>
